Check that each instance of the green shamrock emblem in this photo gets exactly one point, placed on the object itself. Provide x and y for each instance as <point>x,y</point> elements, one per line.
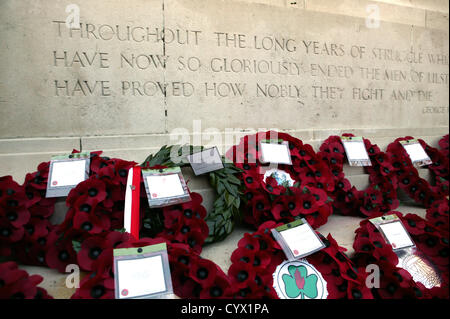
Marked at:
<point>298,283</point>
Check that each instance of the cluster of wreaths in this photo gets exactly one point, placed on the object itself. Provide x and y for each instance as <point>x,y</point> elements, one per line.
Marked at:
<point>92,228</point>
<point>395,282</point>
<point>266,199</point>
<point>408,176</point>
<point>378,198</point>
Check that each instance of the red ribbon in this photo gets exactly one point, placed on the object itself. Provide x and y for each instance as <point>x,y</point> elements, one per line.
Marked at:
<point>135,202</point>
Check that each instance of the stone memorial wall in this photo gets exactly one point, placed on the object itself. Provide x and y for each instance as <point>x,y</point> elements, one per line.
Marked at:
<point>131,76</point>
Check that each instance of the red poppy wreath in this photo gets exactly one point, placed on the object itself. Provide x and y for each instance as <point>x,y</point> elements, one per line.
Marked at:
<point>92,229</point>
<point>379,197</point>
<point>286,192</point>
<point>408,176</point>
<point>92,226</point>
<point>89,233</point>
<point>423,274</point>
<point>444,145</point>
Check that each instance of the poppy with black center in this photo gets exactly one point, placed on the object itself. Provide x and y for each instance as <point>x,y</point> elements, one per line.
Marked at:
<point>216,291</point>
<point>242,276</point>
<point>95,252</point>
<point>202,273</point>
<point>97,291</point>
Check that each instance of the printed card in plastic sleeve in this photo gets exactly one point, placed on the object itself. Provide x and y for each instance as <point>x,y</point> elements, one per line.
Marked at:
<point>66,172</point>
<point>416,153</point>
<point>165,187</point>
<point>142,273</point>
<point>355,150</point>
<point>297,239</point>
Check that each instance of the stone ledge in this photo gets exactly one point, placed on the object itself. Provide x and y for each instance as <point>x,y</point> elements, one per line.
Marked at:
<point>21,156</point>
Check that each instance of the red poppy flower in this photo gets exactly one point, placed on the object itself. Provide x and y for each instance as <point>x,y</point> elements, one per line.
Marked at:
<point>93,287</point>
<point>8,233</point>
<point>94,188</point>
<point>358,290</point>
<point>252,180</point>
<point>38,180</point>
<point>91,250</point>
<point>121,169</point>
<point>90,223</point>
<point>271,186</point>
<point>220,289</point>
<point>306,178</point>
<point>194,206</point>
<point>203,272</point>
<point>241,274</point>
<point>308,204</point>
<point>60,254</point>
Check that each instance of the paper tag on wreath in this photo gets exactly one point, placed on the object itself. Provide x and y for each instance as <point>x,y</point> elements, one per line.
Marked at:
<point>355,150</point>
<point>299,280</point>
<point>393,231</point>
<point>66,172</point>
<point>275,153</point>
<point>409,257</point>
<point>297,239</point>
<point>206,161</point>
<point>416,153</point>
<point>165,187</point>
<point>142,273</point>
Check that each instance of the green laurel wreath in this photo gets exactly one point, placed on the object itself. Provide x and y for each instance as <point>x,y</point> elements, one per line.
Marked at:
<point>228,187</point>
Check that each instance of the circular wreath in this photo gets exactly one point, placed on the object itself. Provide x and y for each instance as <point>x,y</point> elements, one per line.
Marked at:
<point>266,199</point>
<point>258,255</point>
<point>408,176</point>
<point>379,197</point>
<point>228,187</point>
<point>395,282</point>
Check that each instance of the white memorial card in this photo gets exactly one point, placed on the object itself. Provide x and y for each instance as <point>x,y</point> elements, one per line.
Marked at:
<point>356,152</point>
<point>142,272</point>
<point>416,152</point>
<point>275,153</point>
<point>66,172</point>
<point>297,239</point>
<point>206,161</point>
<point>139,277</point>
<point>162,186</point>
<point>396,235</point>
<point>165,187</point>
